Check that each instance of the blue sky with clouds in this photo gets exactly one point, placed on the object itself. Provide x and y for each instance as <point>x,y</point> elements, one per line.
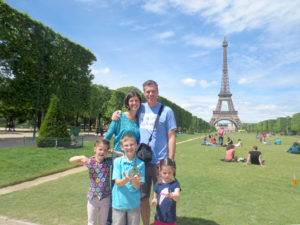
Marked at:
<point>178,43</point>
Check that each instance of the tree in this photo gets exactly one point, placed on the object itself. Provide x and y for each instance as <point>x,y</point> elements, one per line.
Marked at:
<point>26,81</point>
<point>295,122</point>
<point>115,103</point>
<point>54,125</point>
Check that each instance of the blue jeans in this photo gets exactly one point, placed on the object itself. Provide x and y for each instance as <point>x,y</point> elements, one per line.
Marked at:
<point>220,140</point>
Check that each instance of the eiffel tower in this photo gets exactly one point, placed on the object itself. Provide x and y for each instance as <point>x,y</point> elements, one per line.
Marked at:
<point>225,96</point>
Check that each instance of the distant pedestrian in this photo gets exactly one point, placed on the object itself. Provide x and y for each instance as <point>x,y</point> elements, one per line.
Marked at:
<point>221,133</point>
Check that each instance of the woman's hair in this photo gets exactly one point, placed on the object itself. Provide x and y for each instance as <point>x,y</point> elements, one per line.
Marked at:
<point>230,147</point>
<point>168,162</point>
<point>129,96</point>
<point>102,141</point>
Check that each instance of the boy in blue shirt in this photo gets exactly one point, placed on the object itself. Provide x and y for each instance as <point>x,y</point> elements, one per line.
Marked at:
<point>128,173</point>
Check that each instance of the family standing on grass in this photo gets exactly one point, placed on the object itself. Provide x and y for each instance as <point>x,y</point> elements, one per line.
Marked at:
<point>132,179</point>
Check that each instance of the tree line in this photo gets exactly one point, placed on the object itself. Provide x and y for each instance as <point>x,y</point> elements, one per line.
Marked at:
<point>284,125</point>
<point>37,63</point>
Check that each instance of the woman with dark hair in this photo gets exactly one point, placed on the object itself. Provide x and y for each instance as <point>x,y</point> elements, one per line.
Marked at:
<point>128,123</point>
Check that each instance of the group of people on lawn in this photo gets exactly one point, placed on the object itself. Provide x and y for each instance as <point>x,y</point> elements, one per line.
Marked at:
<point>120,185</point>
<point>132,178</point>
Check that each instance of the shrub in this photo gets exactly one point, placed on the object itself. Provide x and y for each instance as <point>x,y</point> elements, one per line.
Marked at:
<point>54,127</point>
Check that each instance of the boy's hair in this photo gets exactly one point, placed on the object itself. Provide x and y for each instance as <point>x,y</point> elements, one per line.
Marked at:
<point>150,82</point>
<point>102,141</point>
<point>255,147</point>
<point>127,137</point>
<point>168,162</point>
<point>130,95</point>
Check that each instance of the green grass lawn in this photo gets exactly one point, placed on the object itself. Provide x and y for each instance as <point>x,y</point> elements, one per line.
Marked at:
<point>25,163</point>
<point>213,192</point>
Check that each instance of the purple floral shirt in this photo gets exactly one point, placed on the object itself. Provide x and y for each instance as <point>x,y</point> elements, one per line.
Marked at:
<point>99,178</point>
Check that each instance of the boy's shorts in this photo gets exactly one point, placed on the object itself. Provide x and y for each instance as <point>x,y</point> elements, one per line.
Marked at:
<point>151,173</point>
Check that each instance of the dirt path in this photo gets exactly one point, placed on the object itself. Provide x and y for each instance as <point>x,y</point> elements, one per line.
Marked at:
<point>40,180</point>
<point>8,221</point>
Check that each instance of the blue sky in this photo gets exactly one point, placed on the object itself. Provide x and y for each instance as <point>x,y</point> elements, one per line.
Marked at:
<point>178,43</point>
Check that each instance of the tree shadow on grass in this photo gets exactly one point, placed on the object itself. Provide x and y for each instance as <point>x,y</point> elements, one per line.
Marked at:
<point>194,221</point>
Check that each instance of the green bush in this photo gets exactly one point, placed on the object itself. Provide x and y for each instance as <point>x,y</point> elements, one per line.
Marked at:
<point>54,127</point>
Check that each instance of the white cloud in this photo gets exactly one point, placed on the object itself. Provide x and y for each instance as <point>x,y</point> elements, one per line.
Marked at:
<point>243,81</point>
<point>101,71</point>
<point>236,16</point>
<point>201,41</point>
<point>205,84</point>
<point>189,81</point>
<point>164,35</point>
<point>156,6</point>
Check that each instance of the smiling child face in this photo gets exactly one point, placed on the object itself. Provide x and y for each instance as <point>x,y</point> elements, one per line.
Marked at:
<point>129,146</point>
<point>100,151</point>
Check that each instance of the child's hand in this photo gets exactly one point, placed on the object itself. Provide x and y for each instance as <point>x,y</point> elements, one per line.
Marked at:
<point>172,195</point>
<point>110,151</point>
<point>154,202</point>
<point>85,160</point>
<point>137,178</point>
<point>127,177</point>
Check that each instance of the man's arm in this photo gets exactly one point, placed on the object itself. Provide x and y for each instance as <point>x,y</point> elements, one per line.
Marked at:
<point>260,161</point>
<point>248,159</point>
<point>172,143</point>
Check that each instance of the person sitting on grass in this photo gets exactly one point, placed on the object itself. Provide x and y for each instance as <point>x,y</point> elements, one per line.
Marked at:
<point>204,141</point>
<point>229,141</point>
<point>239,144</point>
<point>229,156</point>
<point>99,193</point>
<point>255,157</point>
<point>277,141</point>
<point>213,142</point>
<point>295,148</point>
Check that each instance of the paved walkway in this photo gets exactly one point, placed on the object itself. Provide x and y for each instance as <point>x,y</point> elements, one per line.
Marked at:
<point>8,221</point>
<point>16,138</point>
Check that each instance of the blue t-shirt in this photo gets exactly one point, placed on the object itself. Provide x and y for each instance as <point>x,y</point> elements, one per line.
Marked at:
<point>126,197</point>
<point>166,207</point>
<point>121,127</point>
<point>159,143</point>
<point>278,142</point>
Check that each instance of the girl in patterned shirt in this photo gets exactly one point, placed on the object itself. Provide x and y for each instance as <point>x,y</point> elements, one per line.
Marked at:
<point>100,190</point>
